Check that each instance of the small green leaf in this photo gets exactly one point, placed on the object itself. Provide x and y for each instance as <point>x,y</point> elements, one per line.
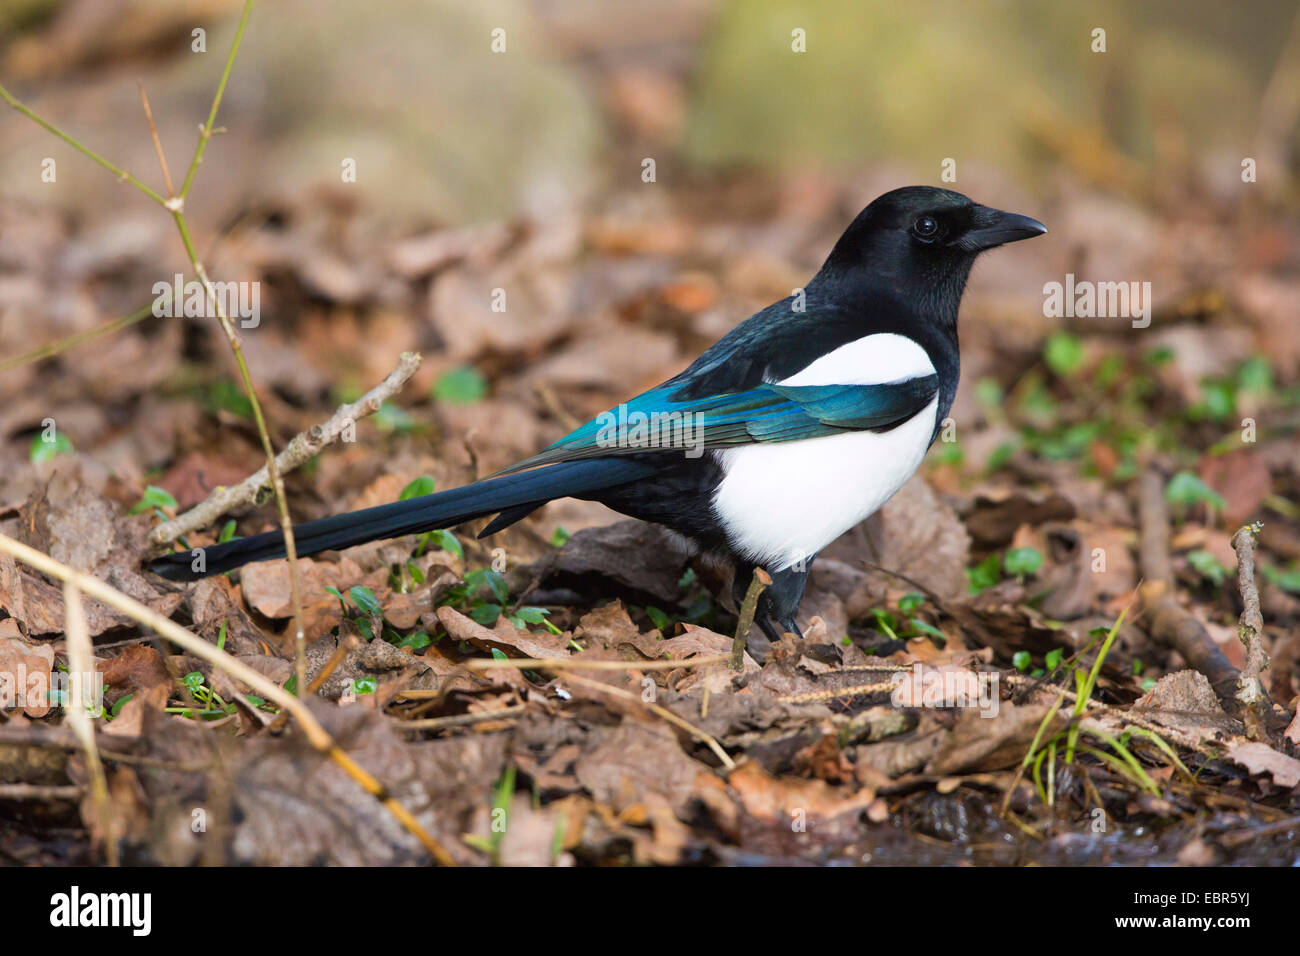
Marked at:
<point>418,488</point>
<point>1186,489</point>
<point>365,600</point>
<point>121,702</point>
<point>227,532</point>
<point>446,541</point>
<point>1207,566</point>
<point>497,585</point>
<point>532,615</point>
<point>365,685</point>
<point>338,594</point>
<point>1020,562</point>
<point>498,654</point>
<point>910,601</point>
<point>989,392</point>
<point>1054,658</point>
<point>1063,354</point>
<point>1286,580</point>
<point>925,627</point>
<point>559,537</point>
<point>885,622</point>
<point>43,449</point>
<point>1255,375</point>
<point>154,497</point>
<point>415,640</point>
<point>394,418</point>
<point>985,574</point>
<point>658,618</point>
<point>365,628</point>
<point>485,614</point>
<point>463,385</point>
<point>1021,660</point>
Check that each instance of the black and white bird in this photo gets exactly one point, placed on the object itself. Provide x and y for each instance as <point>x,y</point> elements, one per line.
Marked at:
<point>788,431</point>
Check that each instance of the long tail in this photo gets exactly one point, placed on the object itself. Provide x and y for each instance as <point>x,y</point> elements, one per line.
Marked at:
<point>514,495</point>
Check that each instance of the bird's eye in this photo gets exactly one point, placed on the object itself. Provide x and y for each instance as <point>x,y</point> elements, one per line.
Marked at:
<point>926,227</point>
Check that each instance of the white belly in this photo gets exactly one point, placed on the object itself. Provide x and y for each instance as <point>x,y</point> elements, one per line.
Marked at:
<point>782,502</point>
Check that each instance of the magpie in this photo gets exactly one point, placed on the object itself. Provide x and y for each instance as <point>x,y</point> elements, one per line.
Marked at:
<point>788,431</point>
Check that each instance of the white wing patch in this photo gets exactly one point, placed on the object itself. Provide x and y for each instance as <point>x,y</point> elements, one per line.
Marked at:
<point>870,360</point>
<point>782,502</point>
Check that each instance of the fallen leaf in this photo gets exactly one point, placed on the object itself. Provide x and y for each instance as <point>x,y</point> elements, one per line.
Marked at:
<point>1259,758</point>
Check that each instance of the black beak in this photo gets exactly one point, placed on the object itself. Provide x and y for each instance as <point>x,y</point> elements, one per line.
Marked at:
<point>993,227</point>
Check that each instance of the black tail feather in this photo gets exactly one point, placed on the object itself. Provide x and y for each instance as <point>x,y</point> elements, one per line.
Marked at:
<point>515,495</point>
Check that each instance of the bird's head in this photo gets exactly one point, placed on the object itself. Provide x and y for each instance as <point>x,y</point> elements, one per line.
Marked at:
<point>924,240</point>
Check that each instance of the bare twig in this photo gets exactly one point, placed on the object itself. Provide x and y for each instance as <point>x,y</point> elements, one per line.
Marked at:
<point>1126,715</point>
<point>1168,622</point>
<point>317,736</point>
<point>1250,628</point>
<point>35,791</point>
<point>345,646</point>
<point>1250,834</point>
<point>663,712</point>
<point>121,174</point>
<point>459,720</point>
<point>81,668</point>
<point>822,696</point>
<point>301,448</point>
<point>206,130</point>
<point>51,349</point>
<point>757,584</point>
<point>157,143</point>
<point>176,205</point>
<point>564,663</point>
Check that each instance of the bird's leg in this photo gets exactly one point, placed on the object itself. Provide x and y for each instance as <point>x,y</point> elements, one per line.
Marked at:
<point>780,602</point>
<point>769,627</point>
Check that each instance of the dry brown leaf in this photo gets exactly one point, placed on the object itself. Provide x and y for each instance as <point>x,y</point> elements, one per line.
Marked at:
<point>25,671</point>
<point>1260,758</point>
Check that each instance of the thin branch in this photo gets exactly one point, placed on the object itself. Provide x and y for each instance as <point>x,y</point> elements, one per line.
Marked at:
<point>757,584</point>
<point>119,172</point>
<point>36,791</point>
<point>661,711</point>
<point>176,206</point>
<point>276,479</point>
<point>157,143</point>
<point>205,131</point>
<point>459,720</point>
<point>51,349</point>
<point>822,696</point>
<point>1250,628</point>
<point>561,663</point>
<point>301,448</point>
<point>317,736</point>
<point>1169,623</point>
<point>81,667</point>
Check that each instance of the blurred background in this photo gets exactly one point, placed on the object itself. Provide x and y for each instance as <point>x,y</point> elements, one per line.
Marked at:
<point>524,169</point>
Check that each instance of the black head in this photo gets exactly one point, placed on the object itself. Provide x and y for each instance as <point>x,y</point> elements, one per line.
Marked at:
<point>921,241</point>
